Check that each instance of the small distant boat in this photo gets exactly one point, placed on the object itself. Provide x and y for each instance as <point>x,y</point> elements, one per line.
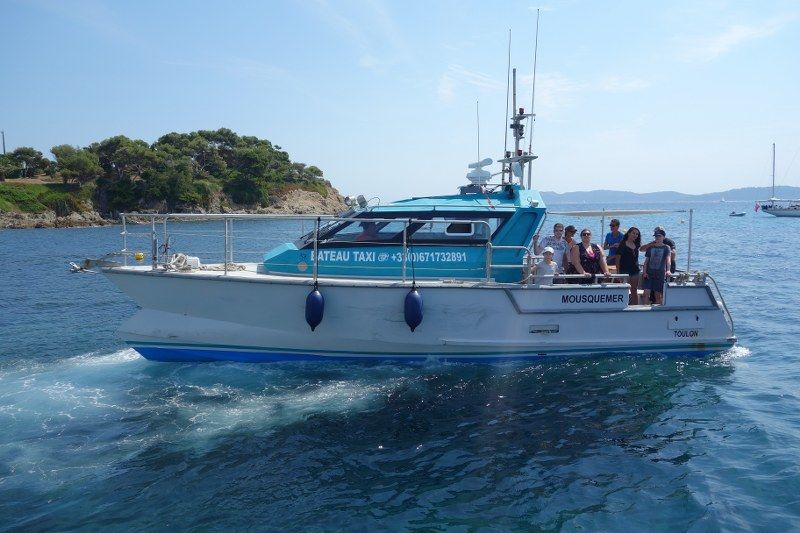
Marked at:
<point>736,214</point>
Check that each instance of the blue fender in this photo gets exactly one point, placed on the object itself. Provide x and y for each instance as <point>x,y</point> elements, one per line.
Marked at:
<point>315,308</point>
<point>413,309</point>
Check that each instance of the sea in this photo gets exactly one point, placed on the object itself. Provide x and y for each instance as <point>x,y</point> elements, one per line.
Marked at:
<point>94,437</point>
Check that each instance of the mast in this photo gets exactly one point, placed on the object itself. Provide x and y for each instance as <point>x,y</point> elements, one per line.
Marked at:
<point>773,170</point>
<point>505,118</point>
<point>517,132</point>
<point>478,120</point>
<point>514,163</point>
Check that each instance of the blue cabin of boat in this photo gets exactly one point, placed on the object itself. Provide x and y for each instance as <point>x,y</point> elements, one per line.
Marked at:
<point>446,238</point>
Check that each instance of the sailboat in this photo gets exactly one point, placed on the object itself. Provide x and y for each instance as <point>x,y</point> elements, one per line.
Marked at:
<point>776,206</point>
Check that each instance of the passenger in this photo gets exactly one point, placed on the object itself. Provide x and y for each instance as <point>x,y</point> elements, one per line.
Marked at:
<point>613,238</point>
<point>669,242</point>
<point>547,269</point>
<point>369,232</point>
<point>627,260</point>
<point>656,265</point>
<point>556,242</point>
<point>588,258</point>
<point>566,262</point>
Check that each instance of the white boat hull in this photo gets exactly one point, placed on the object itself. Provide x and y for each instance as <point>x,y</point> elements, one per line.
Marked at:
<point>254,317</point>
<point>782,212</point>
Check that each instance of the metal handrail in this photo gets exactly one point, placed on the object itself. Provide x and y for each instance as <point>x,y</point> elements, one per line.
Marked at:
<point>153,218</point>
<point>490,248</point>
<point>722,299</point>
<point>227,218</point>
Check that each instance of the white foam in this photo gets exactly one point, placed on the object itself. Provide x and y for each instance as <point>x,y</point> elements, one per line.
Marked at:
<point>268,411</point>
<point>125,355</point>
<point>736,352</point>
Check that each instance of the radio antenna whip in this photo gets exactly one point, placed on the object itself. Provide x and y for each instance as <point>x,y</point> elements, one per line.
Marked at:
<point>532,118</point>
<point>478,119</point>
<point>505,119</point>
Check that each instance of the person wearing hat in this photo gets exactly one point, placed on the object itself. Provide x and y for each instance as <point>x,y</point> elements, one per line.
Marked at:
<point>656,265</point>
<point>546,269</point>
<point>669,242</point>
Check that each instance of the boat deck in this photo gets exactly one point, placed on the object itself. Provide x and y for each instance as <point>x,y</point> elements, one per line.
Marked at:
<point>253,272</point>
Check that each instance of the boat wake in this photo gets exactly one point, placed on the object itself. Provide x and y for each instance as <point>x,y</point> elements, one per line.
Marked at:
<point>736,352</point>
<point>126,355</point>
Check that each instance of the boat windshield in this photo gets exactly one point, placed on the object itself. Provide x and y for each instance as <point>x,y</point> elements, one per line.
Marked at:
<point>444,229</point>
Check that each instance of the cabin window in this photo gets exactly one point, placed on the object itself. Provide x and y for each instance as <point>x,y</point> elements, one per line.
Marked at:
<point>460,229</point>
<point>366,232</point>
<point>440,230</point>
<point>446,228</point>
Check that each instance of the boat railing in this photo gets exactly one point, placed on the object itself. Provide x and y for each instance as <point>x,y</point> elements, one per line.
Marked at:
<point>721,299</point>
<point>159,252</point>
<point>526,265</point>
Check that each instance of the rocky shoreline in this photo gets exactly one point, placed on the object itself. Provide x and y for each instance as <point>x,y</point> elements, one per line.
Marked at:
<point>297,202</point>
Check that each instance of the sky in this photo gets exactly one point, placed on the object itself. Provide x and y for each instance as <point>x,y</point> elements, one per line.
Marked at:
<point>382,96</point>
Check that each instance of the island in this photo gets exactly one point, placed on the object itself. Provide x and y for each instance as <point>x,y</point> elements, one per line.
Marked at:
<point>203,171</point>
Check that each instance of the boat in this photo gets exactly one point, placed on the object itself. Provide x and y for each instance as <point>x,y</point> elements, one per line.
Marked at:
<point>736,214</point>
<point>779,207</point>
<point>440,277</point>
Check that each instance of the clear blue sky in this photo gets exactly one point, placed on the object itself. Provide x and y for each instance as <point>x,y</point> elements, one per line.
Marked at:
<point>642,96</point>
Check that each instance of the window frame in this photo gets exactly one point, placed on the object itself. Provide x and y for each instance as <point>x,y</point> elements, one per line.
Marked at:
<point>307,241</point>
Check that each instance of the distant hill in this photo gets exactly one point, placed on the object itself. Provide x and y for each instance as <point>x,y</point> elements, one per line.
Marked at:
<point>731,195</point>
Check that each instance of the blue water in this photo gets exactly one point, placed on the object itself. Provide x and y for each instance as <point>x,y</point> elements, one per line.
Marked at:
<point>93,436</point>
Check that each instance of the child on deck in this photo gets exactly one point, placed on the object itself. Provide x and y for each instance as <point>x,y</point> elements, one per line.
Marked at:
<point>545,269</point>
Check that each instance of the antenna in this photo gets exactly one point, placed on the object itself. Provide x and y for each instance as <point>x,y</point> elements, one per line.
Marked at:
<point>532,119</point>
<point>478,119</point>
<point>505,119</point>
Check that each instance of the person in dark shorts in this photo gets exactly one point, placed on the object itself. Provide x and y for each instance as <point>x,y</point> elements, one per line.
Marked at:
<point>669,242</point>
<point>627,261</point>
<point>656,266</point>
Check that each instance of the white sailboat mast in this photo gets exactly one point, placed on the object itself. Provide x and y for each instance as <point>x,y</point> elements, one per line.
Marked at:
<point>773,170</point>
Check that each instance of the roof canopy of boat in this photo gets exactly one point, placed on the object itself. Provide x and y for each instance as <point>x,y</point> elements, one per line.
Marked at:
<point>467,218</point>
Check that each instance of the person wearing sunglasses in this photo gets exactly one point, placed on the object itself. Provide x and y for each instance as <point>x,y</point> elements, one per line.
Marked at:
<point>588,257</point>
<point>613,238</point>
<point>556,242</point>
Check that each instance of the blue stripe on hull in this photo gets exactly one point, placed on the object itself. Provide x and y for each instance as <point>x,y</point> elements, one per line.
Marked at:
<point>200,354</point>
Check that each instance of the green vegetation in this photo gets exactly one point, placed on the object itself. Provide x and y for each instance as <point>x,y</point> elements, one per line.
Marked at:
<point>36,198</point>
<point>25,162</point>
<point>180,171</point>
